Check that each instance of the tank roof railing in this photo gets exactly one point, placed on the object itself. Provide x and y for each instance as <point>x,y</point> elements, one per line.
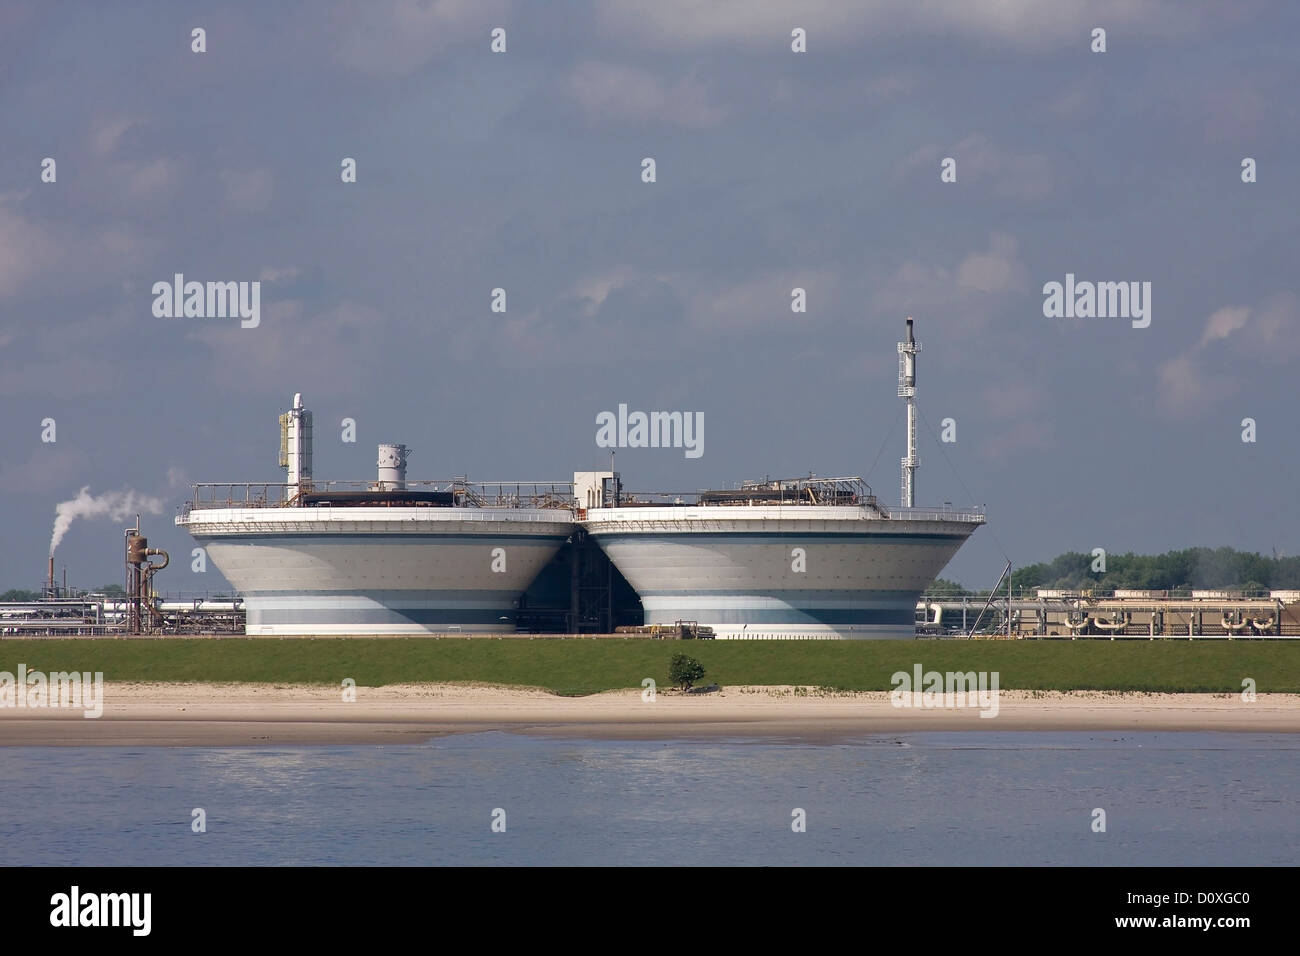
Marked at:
<point>477,494</point>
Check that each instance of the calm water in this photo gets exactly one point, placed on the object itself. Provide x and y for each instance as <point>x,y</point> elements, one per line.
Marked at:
<point>966,798</point>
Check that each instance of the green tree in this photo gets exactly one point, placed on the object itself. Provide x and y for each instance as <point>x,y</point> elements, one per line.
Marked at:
<point>1171,571</point>
<point>18,594</point>
<point>942,587</point>
<point>684,671</point>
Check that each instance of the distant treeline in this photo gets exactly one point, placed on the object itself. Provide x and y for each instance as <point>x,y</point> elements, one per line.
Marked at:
<point>1196,568</point>
<point>20,594</point>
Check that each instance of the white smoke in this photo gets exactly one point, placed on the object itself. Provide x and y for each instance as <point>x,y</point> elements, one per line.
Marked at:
<point>117,505</point>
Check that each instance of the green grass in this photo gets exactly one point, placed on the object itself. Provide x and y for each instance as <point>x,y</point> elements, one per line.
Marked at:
<point>574,667</point>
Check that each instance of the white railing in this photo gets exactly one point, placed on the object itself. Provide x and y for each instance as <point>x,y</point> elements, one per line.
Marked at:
<point>932,514</point>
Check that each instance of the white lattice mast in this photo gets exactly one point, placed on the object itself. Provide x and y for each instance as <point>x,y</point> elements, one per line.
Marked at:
<point>907,391</point>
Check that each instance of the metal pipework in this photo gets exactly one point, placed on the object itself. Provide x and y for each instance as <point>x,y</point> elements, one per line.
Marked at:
<point>139,579</point>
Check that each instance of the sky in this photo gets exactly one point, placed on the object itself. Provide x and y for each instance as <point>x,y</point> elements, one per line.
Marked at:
<point>522,170</point>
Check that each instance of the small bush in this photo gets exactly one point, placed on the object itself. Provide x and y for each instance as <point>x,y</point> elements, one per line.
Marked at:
<point>684,671</point>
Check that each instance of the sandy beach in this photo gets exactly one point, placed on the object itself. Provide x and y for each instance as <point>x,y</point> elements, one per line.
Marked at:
<point>191,715</point>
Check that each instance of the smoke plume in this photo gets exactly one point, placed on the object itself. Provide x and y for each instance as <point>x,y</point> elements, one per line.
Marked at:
<point>117,505</point>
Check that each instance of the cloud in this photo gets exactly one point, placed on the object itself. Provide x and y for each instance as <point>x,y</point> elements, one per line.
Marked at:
<point>996,271</point>
<point>388,38</point>
<point>1195,380</point>
<point>1185,386</point>
<point>48,466</point>
<point>765,301</point>
<point>593,290</point>
<point>1029,24</point>
<point>1007,174</point>
<point>1224,322</point>
<point>616,93</point>
<point>149,179</point>
<point>247,190</point>
<point>37,257</point>
<point>107,131</point>
<point>26,250</point>
<point>65,376</point>
<point>1012,399</point>
<point>319,349</point>
<point>618,315</point>
<point>36,363</point>
<point>1274,332</point>
<point>1022,436</point>
<point>980,276</point>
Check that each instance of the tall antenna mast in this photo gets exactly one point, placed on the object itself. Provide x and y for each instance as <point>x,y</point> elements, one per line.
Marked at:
<point>907,391</point>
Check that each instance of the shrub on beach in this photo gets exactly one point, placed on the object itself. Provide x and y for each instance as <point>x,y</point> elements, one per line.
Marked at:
<point>684,671</point>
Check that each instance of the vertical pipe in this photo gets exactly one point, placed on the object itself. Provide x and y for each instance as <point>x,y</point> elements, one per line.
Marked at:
<point>577,557</point>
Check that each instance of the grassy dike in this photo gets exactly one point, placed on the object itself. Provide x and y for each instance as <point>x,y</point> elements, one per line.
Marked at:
<point>575,667</point>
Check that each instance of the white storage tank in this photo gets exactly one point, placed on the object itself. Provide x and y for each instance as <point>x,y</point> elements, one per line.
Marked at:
<point>392,467</point>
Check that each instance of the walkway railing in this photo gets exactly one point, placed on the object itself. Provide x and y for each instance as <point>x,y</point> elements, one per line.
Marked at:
<point>482,494</point>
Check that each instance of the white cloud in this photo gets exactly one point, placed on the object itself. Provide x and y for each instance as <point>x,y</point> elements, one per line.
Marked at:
<point>993,272</point>
<point>996,271</point>
<point>1185,387</point>
<point>150,179</point>
<point>26,249</point>
<point>320,350</point>
<point>610,92</point>
<point>1005,173</point>
<point>765,300</point>
<point>1275,330</point>
<point>593,290</point>
<point>107,131</point>
<point>1030,24</point>
<point>1195,380</point>
<point>65,376</point>
<point>397,37</point>
<point>1224,322</point>
<point>1013,399</point>
<point>48,466</point>
<point>247,190</point>
<point>1021,436</point>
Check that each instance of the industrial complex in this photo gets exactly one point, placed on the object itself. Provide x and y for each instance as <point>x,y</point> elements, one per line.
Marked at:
<point>801,558</point>
<point>798,558</point>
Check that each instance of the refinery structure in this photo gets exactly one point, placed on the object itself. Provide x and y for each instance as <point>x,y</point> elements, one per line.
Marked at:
<point>792,559</point>
<point>800,558</point>
<point>382,557</point>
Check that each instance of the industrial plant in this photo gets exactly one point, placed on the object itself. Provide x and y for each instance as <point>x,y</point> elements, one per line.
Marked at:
<point>800,558</point>
<point>794,559</point>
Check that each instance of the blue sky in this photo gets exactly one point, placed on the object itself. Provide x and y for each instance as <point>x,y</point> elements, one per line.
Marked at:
<point>775,169</point>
